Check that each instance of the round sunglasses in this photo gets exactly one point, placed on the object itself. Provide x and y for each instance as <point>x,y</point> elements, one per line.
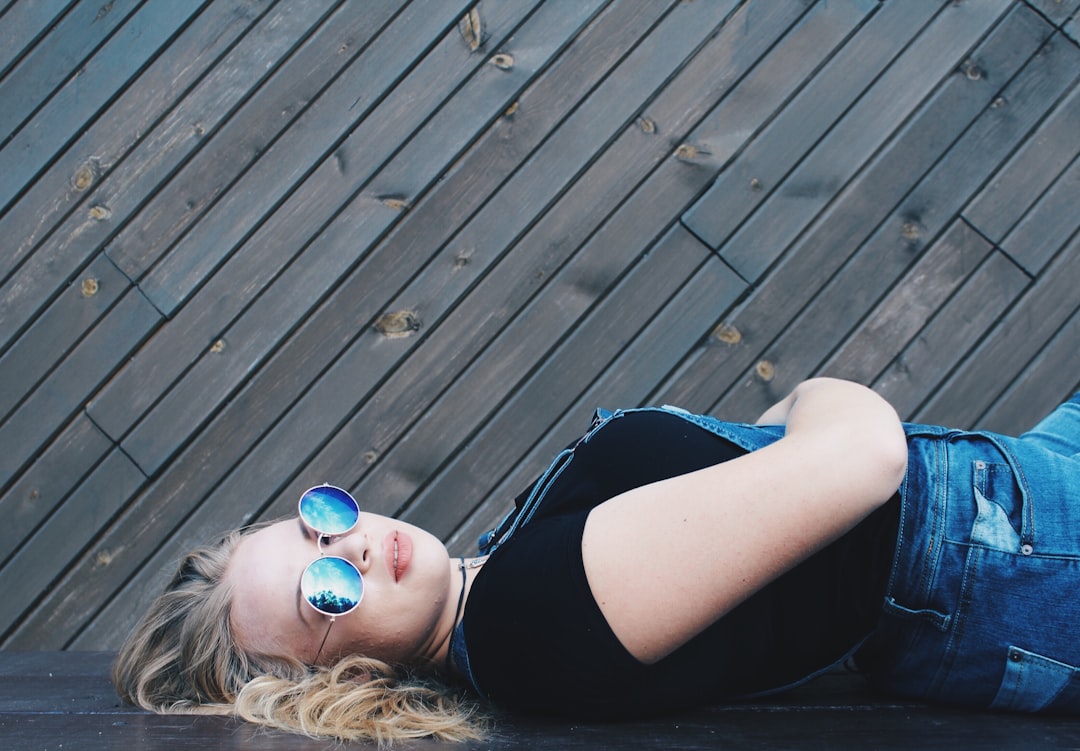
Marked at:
<point>330,584</point>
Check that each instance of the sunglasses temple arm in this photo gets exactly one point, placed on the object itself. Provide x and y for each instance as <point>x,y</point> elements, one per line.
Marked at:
<point>323,642</point>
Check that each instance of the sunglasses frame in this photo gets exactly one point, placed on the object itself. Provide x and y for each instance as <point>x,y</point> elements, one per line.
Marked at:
<point>319,536</point>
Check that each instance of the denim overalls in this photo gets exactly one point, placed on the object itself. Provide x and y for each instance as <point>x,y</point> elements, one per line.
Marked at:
<point>981,607</point>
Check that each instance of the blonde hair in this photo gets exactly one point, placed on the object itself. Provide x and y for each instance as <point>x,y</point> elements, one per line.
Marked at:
<point>182,658</point>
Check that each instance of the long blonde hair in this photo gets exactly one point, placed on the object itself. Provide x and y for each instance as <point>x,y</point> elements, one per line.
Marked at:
<point>182,658</point>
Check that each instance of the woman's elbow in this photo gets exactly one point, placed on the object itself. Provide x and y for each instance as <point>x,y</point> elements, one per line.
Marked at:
<point>891,455</point>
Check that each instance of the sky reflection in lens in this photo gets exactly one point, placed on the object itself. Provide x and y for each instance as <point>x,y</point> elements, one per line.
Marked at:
<point>329,510</point>
<point>332,585</point>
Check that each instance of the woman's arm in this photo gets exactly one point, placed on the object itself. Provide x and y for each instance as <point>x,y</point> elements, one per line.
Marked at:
<point>666,560</point>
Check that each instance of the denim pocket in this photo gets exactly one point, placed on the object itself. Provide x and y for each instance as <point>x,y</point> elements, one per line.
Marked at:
<point>1031,682</point>
<point>999,501</point>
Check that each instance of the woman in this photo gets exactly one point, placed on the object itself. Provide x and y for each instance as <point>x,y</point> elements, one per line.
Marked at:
<point>663,559</point>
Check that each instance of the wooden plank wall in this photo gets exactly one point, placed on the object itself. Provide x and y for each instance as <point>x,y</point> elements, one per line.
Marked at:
<point>407,247</point>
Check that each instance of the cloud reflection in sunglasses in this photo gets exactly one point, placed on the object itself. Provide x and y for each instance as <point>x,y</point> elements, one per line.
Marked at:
<point>329,510</point>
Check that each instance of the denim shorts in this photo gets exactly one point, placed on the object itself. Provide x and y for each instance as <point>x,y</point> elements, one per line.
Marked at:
<point>982,607</point>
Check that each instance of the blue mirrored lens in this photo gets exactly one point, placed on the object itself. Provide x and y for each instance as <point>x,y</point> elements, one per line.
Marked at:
<point>332,585</point>
<point>329,510</point>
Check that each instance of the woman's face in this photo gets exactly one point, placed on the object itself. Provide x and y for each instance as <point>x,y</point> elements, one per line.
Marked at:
<point>406,613</point>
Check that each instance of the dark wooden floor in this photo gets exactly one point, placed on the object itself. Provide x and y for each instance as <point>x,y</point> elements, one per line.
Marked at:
<point>406,247</point>
<point>59,701</point>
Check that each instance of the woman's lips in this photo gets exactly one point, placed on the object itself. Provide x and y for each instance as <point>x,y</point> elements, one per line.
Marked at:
<point>398,550</point>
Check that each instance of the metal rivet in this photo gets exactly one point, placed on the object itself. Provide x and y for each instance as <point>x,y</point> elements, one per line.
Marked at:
<point>1026,549</point>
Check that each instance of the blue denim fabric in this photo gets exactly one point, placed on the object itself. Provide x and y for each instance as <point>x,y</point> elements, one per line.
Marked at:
<point>982,606</point>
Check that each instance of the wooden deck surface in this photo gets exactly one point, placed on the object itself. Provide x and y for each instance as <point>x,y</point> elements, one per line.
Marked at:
<point>407,247</point>
<point>53,701</point>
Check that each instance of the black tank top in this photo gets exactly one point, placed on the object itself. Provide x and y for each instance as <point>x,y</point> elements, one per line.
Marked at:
<point>537,641</point>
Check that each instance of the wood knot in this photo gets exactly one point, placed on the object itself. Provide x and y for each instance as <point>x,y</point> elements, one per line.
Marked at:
<point>910,231</point>
<point>686,152</point>
<point>755,185</point>
<point>89,287</point>
<point>217,347</point>
<point>471,27</point>
<point>727,333</point>
<point>398,324</point>
<point>647,125</point>
<point>397,203</point>
<point>84,178</point>
<point>502,61</point>
<point>765,370</point>
<point>100,212</point>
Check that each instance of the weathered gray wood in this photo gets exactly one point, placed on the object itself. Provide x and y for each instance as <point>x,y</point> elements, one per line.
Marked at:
<point>75,104</point>
<point>113,202</point>
<point>269,142</point>
<point>817,180</point>
<point>21,26</point>
<point>44,485</point>
<point>1058,11</point>
<point>934,164</point>
<point>1001,357</point>
<point>950,333</point>
<point>1049,379</point>
<point>288,232</point>
<point>88,160</point>
<point>852,218</point>
<point>49,407</point>
<point>764,161</point>
<point>1034,167</point>
<point>57,329</point>
<point>63,536</point>
<point>62,50</point>
<point>1051,221</point>
<point>297,288</point>
<point>897,319</point>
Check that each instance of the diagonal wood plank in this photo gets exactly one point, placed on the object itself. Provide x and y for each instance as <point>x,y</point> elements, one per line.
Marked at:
<point>112,202</point>
<point>73,106</point>
<point>88,160</point>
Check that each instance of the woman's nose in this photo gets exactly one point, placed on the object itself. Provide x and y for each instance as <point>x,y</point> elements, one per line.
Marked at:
<point>353,546</point>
